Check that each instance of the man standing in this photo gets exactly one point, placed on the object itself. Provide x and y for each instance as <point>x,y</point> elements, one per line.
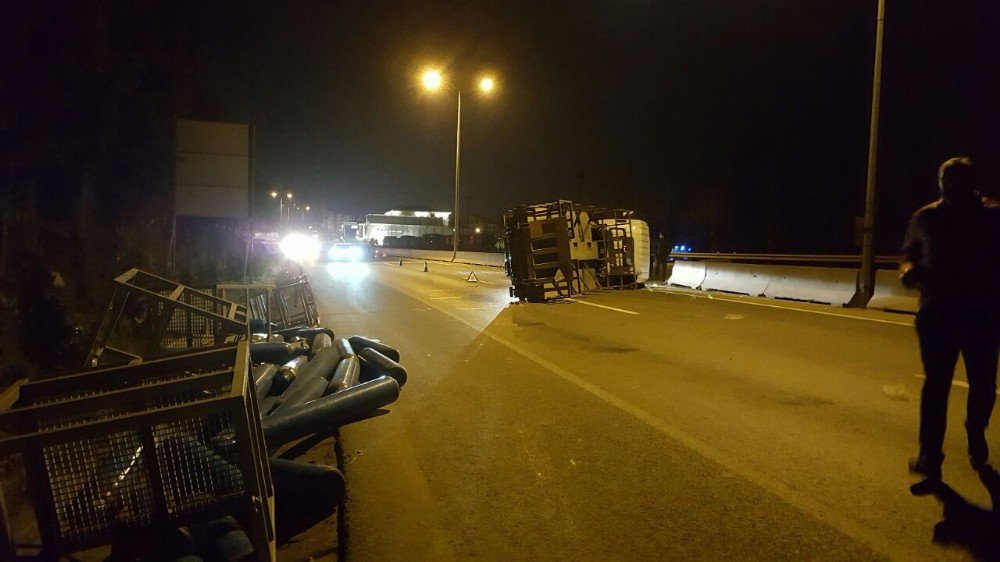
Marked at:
<point>952,253</point>
<point>661,251</point>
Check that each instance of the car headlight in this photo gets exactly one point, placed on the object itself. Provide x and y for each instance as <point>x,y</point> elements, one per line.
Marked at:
<point>300,247</point>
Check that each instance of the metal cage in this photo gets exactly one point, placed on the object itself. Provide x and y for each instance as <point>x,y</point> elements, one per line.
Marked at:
<point>149,316</point>
<point>94,455</point>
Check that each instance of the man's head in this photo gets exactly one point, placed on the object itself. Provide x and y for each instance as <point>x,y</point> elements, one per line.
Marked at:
<point>957,179</point>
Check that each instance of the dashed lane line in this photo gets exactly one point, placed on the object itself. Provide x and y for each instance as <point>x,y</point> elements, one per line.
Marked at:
<point>604,306</point>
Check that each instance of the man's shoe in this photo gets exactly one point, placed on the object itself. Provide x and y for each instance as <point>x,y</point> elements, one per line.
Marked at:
<point>979,451</point>
<point>926,465</point>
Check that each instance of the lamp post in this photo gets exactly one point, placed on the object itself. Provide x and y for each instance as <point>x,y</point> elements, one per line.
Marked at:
<point>868,234</point>
<point>433,80</point>
<point>281,205</point>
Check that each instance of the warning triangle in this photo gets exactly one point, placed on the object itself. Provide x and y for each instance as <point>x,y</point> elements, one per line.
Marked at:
<point>472,278</point>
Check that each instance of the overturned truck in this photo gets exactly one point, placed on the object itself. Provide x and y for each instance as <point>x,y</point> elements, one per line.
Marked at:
<point>559,249</point>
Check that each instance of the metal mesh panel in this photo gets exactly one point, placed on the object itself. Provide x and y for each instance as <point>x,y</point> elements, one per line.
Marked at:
<point>121,409</point>
<point>17,500</point>
<point>98,484</point>
<point>125,455</point>
<point>186,330</point>
<point>149,316</point>
<point>295,301</point>
<point>195,475</point>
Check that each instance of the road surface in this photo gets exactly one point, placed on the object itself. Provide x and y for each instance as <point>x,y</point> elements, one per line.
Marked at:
<point>631,425</point>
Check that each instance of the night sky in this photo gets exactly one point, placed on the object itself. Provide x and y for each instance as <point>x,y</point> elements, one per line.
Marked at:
<point>734,126</point>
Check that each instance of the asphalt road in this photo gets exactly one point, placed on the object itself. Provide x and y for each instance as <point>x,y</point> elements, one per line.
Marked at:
<point>633,425</point>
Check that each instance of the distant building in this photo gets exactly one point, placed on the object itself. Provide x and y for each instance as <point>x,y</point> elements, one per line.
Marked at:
<point>336,222</point>
<point>404,223</point>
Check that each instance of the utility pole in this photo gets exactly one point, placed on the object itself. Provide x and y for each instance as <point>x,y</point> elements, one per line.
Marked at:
<point>868,244</point>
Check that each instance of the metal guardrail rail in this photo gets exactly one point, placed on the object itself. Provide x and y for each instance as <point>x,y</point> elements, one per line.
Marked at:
<point>784,258</point>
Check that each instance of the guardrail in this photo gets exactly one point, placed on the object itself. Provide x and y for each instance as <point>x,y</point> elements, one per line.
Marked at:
<point>802,277</point>
<point>788,258</point>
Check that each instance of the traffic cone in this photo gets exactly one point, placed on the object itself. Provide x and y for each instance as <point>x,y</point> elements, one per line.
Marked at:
<point>425,266</point>
<point>472,278</point>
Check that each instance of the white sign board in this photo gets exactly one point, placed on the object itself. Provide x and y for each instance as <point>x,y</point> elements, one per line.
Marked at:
<point>212,169</point>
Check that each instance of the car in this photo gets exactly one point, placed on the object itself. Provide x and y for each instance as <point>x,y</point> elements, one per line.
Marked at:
<point>345,251</point>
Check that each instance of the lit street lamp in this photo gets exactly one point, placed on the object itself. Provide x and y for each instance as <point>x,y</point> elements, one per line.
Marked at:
<point>432,80</point>
<point>281,205</point>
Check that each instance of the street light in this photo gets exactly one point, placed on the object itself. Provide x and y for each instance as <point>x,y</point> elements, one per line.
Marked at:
<point>281,205</point>
<point>432,81</point>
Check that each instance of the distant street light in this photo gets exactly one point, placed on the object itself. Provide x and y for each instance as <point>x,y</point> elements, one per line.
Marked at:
<point>281,205</point>
<point>432,81</point>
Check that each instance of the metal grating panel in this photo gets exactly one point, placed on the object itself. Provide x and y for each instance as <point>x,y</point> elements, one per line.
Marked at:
<point>170,441</point>
<point>194,475</point>
<point>98,484</point>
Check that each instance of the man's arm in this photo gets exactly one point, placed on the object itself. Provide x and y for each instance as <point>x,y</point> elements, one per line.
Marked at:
<point>913,246</point>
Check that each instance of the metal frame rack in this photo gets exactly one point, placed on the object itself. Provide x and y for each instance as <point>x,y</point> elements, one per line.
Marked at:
<point>537,250</point>
<point>149,316</point>
<point>109,452</point>
<point>257,298</point>
<point>294,303</point>
<point>550,249</point>
<point>616,254</point>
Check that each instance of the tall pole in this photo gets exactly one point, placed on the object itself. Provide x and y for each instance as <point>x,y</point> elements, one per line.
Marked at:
<point>868,244</point>
<point>251,207</point>
<point>458,161</point>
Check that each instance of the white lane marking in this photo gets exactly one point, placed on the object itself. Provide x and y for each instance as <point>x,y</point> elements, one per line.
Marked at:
<point>471,308</point>
<point>779,307</point>
<point>733,317</point>
<point>954,382</point>
<point>442,298</point>
<point>732,463</point>
<point>602,306</point>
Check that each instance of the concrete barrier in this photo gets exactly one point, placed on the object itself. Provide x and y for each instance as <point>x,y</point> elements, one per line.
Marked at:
<point>740,278</point>
<point>489,259</point>
<point>891,295</point>
<point>829,285</point>
<point>688,274</point>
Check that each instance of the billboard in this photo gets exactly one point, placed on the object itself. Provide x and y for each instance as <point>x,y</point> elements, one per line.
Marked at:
<point>212,169</point>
